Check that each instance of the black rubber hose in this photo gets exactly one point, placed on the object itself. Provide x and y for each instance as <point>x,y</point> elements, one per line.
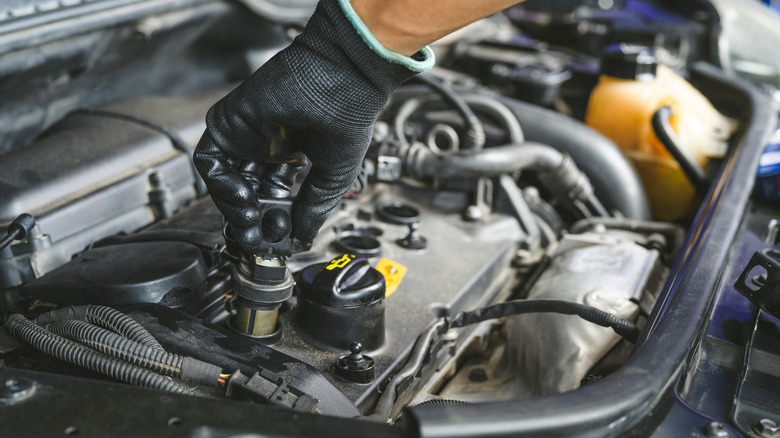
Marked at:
<point>622,327</point>
<point>495,108</point>
<point>7,239</point>
<point>475,132</point>
<point>17,229</point>
<point>665,133</point>
<point>614,179</point>
<point>423,163</point>
<point>153,359</point>
<point>557,172</point>
<point>85,357</point>
<point>103,316</point>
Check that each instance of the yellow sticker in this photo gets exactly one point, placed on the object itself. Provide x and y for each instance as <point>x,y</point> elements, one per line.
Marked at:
<point>339,263</point>
<point>393,272</point>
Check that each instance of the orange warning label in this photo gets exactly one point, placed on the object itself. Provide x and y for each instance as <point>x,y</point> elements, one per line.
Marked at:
<point>393,272</point>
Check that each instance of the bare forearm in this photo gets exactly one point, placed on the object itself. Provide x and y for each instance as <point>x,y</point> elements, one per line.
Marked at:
<point>406,26</point>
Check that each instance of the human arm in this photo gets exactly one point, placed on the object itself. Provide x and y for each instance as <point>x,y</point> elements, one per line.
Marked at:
<point>406,26</point>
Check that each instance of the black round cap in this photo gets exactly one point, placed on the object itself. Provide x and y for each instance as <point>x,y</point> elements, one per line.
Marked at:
<point>629,61</point>
<point>347,281</point>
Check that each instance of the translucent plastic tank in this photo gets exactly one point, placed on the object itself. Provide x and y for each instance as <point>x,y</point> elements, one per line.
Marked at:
<point>633,86</point>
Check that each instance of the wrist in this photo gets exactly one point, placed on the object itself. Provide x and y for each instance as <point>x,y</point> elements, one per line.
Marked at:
<point>404,53</point>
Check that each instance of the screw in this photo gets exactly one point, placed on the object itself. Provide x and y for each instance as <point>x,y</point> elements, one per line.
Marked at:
<point>716,430</point>
<point>767,428</point>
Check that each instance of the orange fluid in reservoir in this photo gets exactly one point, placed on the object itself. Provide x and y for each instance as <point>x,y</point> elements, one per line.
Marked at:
<point>622,110</point>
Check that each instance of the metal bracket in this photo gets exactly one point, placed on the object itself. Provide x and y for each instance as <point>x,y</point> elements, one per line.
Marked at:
<point>760,281</point>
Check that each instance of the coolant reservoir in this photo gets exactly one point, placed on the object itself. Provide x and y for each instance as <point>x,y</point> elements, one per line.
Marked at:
<point>632,87</point>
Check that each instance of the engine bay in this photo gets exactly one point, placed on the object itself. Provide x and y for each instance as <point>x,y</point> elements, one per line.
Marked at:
<point>496,246</point>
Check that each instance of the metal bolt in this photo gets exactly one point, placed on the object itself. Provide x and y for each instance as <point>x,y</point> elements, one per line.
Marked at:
<point>450,335</point>
<point>473,213</point>
<point>767,428</point>
<point>772,231</point>
<point>716,430</point>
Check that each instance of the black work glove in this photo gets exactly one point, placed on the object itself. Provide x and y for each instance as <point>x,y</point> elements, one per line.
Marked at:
<point>319,97</point>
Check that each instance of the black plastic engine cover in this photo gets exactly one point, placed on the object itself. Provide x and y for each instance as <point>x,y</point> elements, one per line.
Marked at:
<point>167,273</point>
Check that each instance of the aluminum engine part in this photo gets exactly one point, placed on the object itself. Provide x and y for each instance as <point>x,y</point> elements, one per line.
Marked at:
<point>606,270</point>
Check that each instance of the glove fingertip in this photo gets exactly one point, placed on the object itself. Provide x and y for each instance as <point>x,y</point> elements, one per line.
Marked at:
<point>307,220</point>
<point>248,238</point>
<point>305,229</point>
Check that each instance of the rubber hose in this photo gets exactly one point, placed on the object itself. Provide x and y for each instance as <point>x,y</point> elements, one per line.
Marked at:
<point>424,163</point>
<point>404,112</point>
<point>159,361</point>
<point>622,327</point>
<point>665,133</point>
<point>85,357</point>
<point>498,110</point>
<point>8,343</point>
<point>475,132</point>
<point>103,316</point>
<point>614,179</point>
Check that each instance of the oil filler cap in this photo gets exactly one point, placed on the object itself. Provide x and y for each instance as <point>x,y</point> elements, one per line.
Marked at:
<point>347,281</point>
<point>341,302</point>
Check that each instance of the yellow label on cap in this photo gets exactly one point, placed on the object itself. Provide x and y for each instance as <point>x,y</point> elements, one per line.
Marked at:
<point>393,272</point>
<point>339,263</point>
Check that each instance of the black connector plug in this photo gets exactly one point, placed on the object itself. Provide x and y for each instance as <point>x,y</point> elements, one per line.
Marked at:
<point>17,229</point>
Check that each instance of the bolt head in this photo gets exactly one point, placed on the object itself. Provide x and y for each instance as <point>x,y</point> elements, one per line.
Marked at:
<point>716,429</point>
<point>767,428</point>
<point>473,213</point>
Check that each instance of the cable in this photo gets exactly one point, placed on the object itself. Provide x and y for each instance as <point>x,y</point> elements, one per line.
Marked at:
<point>17,229</point>
<point>665,133</point>
<point>103,316</point>
<point>176,140</point>
<point>160,361</point>
<point>85,357</point>
<point>622,327</point>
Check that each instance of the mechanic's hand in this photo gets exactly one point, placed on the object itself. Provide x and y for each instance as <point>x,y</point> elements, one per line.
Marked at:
<point>319,97</point>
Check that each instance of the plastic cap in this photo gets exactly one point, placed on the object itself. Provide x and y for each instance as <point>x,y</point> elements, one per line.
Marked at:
<point>629,61</point>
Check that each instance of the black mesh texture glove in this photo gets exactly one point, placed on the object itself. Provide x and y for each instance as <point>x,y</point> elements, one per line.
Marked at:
<point>319,97</point>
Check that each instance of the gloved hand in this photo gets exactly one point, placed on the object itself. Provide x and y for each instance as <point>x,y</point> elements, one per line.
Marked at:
<point>319,97</point>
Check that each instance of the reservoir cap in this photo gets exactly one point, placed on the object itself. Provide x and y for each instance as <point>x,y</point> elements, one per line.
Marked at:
<point>629,61</point>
